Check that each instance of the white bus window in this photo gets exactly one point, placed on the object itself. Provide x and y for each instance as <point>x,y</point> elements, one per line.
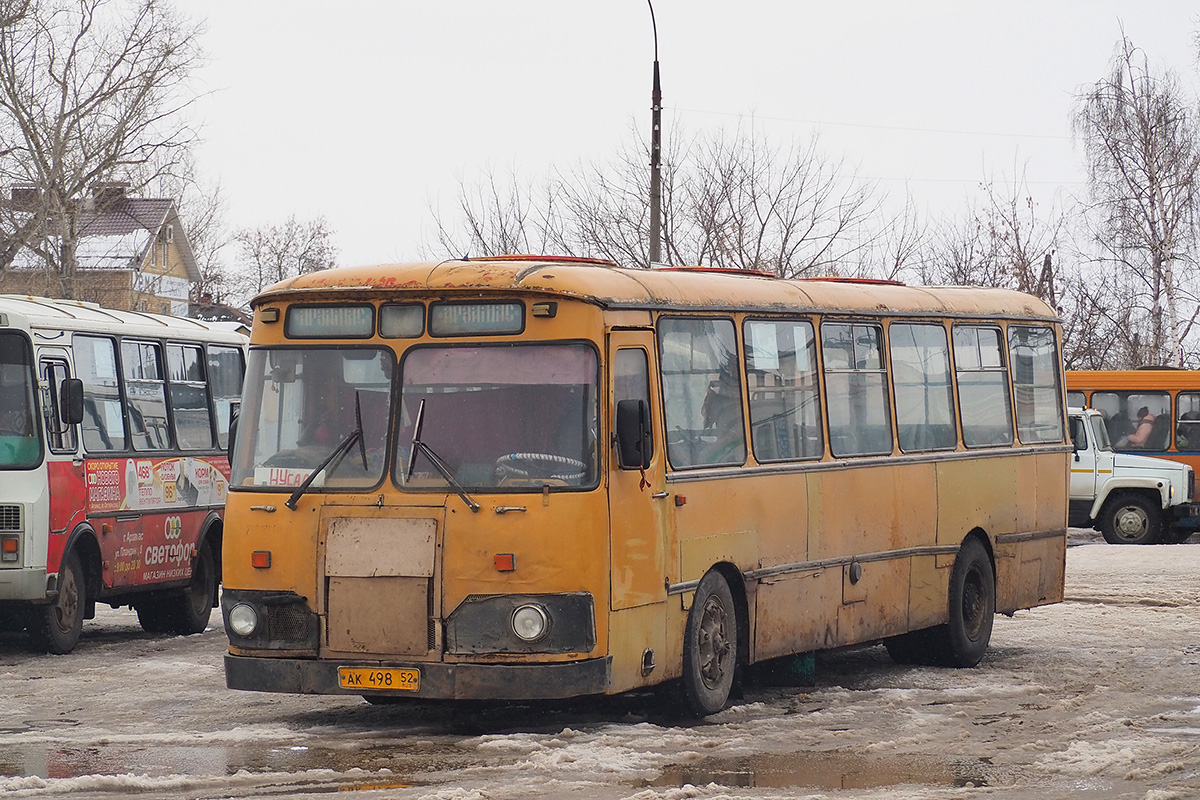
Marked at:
<point>145,395</point>
<point>103,422</point>
<point>226,369</point>
<point>189,397</point>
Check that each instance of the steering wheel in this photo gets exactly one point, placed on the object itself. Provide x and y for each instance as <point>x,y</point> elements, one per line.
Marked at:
<point>541,465</point>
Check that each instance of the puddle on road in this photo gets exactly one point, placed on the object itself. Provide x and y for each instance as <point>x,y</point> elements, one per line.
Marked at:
<point>825,771</point>
<point>161,760</point>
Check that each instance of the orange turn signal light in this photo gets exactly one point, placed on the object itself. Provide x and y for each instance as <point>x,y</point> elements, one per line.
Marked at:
<point>260,559</point>
<point>505,562</point>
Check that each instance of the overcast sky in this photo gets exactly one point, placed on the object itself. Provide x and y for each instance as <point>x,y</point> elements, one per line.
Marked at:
<point>372,113</point>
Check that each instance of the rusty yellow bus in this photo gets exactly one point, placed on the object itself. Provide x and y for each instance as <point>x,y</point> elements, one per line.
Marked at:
<point>535,477</point>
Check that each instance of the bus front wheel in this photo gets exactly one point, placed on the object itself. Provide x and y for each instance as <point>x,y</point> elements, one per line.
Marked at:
<point>710,646</point>
<point>55,628</point>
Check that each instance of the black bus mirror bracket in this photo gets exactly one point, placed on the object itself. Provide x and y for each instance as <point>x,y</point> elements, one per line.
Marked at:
<point>70,401</point>
<point>633,434</point>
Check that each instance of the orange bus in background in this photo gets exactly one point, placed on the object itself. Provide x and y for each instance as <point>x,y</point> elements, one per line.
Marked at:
<point>533,477</point>
<point>1170,396</point>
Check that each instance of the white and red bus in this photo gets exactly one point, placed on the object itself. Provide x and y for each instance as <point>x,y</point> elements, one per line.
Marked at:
<point>113,429</point>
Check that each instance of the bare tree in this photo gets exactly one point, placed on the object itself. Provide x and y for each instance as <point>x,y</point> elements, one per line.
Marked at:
<point>1143,155</point>
<point>729,200</point>
<point>201,208</point>
<point>90,91</point>
<point>271,253</point>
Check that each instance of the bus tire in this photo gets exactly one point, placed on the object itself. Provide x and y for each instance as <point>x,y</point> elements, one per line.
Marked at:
<point>153,617</point>
<point>1131,519</point>
<point>192,608</point>
<point>55,628</point>
<point>963,640</point>
<point>909,648</point>
<point>710,646</point>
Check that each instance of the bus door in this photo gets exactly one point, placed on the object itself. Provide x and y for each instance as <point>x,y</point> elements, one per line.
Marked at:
<point>64,463</point>
<point>640,508</point>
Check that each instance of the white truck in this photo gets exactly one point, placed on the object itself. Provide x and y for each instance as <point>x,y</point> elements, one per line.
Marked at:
<point>1130,499</point>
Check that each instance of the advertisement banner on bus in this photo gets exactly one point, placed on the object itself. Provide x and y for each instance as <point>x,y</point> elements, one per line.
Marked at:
<point>140,484</point>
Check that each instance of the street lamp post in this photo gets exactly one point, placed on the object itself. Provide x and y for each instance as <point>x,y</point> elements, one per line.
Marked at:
<point>655,155</point>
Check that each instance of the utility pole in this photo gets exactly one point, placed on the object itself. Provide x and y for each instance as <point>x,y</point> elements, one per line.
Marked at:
<point>655,155</point>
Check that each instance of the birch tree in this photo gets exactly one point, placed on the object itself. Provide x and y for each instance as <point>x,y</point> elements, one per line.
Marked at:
<point>1143,156</point>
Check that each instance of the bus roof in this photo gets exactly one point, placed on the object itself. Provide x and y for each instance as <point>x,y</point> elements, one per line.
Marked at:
<point>610,286</point>
<point>77,315</point>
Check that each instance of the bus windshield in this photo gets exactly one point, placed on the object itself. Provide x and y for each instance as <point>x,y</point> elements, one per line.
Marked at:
<point>300,404</point>
<point>20,447</point>
<point>501,417</point>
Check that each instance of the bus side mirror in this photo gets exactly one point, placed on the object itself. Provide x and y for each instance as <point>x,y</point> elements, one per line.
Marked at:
<point>235,411</point>
<point>633,434</point>
<point>70,401</point>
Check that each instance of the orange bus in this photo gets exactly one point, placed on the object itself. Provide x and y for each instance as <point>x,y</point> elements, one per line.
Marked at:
<point>1165,402</point>
<point>533,477</point>
<point>113,470</point>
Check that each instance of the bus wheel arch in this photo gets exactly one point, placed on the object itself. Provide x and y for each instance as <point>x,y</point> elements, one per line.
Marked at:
<point>715,639</point>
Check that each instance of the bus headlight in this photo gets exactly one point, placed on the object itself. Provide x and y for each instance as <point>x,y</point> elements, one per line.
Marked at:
<point>243,619</point>
<point>529,623</point>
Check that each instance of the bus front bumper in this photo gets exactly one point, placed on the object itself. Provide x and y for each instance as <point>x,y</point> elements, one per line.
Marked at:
<point>438,681</point>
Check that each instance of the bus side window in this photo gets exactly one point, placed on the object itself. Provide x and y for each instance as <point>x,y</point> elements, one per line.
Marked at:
<point>1187,428</point>
<point>226,370</point>
<point>103,420</point>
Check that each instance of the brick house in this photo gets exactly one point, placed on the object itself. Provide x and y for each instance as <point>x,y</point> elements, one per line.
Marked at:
<point>133,254</point>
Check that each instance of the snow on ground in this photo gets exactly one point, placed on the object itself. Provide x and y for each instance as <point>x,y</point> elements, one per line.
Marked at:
<point>1093,697</point>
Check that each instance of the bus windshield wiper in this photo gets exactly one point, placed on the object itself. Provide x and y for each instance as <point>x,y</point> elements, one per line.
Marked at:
<point>339,451</point>
<point>435,459</point>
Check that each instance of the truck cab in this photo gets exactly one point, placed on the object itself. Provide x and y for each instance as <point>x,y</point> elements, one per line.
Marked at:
<point>1130,499</point>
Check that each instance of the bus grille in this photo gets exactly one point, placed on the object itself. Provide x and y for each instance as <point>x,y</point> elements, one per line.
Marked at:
<point>287,623</point>
<point>10,518</point>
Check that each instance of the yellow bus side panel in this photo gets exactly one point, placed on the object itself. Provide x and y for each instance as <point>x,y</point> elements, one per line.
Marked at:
<point>928,592</point>
<point>796,613</point>
<point>875,606</point>
<point>977,494</point>
<point>871,509</point>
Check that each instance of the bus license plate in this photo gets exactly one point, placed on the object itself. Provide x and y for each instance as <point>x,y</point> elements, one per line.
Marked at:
<point>380,680</point>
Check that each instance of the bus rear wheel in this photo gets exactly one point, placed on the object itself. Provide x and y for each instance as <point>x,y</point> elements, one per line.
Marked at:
<point>55,628</point>
<point>710,646</point>
<point>192,608</point>
<point>963,640</point>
